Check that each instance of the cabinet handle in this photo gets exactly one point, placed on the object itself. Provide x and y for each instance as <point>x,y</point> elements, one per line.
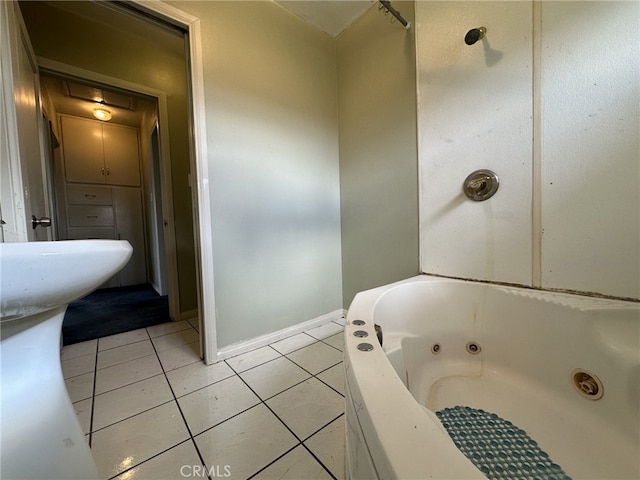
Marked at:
<point>92,216</point>
<point>108,172</point>
<point>102,170</point>
<point>89,197</point>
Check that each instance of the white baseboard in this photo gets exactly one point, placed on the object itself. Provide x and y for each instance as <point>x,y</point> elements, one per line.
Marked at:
<point>261,341</point>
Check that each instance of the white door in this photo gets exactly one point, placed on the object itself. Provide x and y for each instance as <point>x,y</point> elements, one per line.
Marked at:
<point>22,173</point>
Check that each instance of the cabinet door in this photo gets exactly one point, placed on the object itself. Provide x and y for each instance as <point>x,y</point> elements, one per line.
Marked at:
<point>83,152</point>
<point>127,203</point>
<point>121,155</point>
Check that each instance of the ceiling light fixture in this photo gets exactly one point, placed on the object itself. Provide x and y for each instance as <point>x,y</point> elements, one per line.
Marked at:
<point>102,114</point>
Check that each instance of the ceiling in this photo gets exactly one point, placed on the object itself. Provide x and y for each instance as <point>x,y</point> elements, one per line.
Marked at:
<point>80,99</point>
<point>330,16</point>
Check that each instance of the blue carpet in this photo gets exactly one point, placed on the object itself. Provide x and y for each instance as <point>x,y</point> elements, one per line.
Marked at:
<point>497,447</point>
<point>113,310</point>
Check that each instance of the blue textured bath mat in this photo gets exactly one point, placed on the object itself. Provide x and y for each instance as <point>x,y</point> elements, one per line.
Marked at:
<point>496,447</point>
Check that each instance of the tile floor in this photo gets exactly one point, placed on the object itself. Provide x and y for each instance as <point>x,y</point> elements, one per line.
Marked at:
<point>152,410</point>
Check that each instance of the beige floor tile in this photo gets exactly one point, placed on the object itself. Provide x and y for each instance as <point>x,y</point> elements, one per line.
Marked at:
<point>126,373</point>
<point>191,377</point>
<point>166,328</point>
<point>326,330</point>
<point>246,443</point>
<point>180,356</point>
<point>177,463</point>
<point>125,353</point>
<point>124,402</point>
<point>120,339</point>
<point>139,430</point>
<point>328,446</point>
<point>307,407</point>
<point>216,403</point>
<point>298,464</point>
<point>80,387</point>
<point>194,322</point>
<point>78,365</point>
<point>316,358</point>
<point>173,340</point>
<point>136,439</point>
<point>252,359</point>
<point>336,341</point>
<point>294,342</point>
<point>273,377</point>
<point>78,350</point>
<point>83,412</point>
<point>334,377</point>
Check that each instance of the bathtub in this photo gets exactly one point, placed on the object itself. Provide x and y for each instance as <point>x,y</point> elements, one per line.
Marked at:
<point>563,369</point>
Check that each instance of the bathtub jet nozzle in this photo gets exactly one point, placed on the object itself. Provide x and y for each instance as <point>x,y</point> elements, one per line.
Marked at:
<point>587,384</point>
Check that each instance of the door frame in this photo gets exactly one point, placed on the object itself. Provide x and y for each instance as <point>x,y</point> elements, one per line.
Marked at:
<point>57,68</point>
<point>201,194</point>
<point>15,181</point>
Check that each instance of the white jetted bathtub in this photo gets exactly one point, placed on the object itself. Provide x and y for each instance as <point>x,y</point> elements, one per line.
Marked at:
<point>528,384</point>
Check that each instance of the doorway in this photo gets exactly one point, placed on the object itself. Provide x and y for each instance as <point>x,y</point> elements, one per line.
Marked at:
<point>160,261</point>
<point>78,39</point>
<point>124,204</point>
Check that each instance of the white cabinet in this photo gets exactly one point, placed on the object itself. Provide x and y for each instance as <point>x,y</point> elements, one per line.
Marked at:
<point>106,212</point>
<point>103,197</point>
<point>97,152</point>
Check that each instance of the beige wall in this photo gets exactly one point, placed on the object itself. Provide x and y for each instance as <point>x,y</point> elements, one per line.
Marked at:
<point>378,152</point>
<point>271,113</point>
<point>117,52</point>
<point>275,87</point>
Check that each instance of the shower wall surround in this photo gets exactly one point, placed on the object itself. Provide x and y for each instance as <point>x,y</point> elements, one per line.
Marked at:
<point>550,101</point>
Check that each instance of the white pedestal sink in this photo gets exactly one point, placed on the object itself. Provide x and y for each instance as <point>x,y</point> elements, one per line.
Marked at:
<point>41,437</point>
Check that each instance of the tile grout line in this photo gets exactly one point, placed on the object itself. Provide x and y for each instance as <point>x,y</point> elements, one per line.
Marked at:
<point>131,416</point>
<point>93,394</point>
<point>124,344</point>
<point>263,402</point>
<point>312,376</point>
<point>300,442</point>
<point>274,461</point>
<point>145,461</point>
<point>184,419</point>
<point>149,409</point>
<point>129,384</point>
<point>323,427</point>
<point>175,398</point>
<point>235,373</point>
<point>317,459</point>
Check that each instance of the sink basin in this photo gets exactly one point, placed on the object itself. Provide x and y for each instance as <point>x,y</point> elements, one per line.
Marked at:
<point>41,437</point>
<point>38,276</point>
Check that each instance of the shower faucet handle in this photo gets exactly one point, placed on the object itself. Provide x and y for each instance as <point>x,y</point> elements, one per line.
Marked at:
<point>481,185</point>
